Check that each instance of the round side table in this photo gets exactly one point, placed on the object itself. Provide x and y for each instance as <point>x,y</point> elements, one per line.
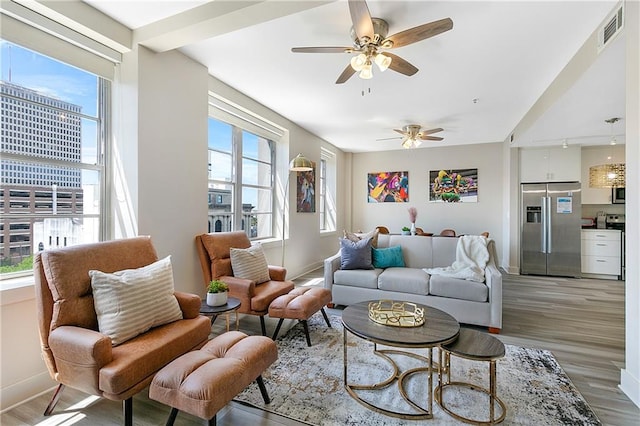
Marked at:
<point>232,305</point>
<point>476,346</point>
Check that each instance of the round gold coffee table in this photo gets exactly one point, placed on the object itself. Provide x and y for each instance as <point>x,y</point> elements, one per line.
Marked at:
<point>439,328</point>
<point>477,346</point>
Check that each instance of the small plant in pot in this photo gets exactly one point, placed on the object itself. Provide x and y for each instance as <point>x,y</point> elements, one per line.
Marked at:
<point>406,231</point>
<point>217,293</point>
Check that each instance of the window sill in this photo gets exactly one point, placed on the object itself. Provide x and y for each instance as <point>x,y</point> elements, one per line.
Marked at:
<point>17,290</point>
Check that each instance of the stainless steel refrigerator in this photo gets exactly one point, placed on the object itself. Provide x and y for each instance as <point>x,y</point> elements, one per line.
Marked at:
<point>550,229</point>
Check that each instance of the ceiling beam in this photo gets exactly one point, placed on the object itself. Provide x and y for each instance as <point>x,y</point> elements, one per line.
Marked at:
<point>215,18</point>
<point>83,19</point>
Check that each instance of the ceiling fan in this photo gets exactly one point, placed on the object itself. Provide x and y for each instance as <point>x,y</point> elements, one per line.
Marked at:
<point>412,135</point>
<point>370,41</point>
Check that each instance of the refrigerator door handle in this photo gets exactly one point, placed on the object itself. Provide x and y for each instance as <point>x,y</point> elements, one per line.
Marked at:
<point>548,222</point>
<point>543,234</point>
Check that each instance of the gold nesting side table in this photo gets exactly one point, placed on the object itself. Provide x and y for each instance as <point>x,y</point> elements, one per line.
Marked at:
<point>476,346</point>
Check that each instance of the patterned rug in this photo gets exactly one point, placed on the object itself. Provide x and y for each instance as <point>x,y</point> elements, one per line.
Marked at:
<point>306,384</point>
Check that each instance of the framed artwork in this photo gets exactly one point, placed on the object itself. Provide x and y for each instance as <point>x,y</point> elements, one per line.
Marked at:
<point>306,191</point>
<point>453,186</point>
<point>388,187</point>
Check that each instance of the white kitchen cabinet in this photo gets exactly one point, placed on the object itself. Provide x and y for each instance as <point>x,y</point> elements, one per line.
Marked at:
<point>550,164</point>
<point>602,252</point>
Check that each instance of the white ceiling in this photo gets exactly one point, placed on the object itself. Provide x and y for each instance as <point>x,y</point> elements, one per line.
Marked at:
<point>503,54</point>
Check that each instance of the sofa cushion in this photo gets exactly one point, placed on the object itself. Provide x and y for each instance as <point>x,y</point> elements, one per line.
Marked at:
<point>387,257</point>
<point>405,280</point>
<point>367,278</point>
<point>355,255</point>
<point>416,250</point>
<point>250,263</point>
<point>355,237</point>
<point>132,301</point>
<point>457,288</point>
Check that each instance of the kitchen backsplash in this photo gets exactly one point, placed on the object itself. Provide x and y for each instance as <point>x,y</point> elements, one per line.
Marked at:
<point>591,210</point>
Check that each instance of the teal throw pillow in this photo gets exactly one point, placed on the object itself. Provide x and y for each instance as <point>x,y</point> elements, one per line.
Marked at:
<point>355,254</point>
<point>388,257</point>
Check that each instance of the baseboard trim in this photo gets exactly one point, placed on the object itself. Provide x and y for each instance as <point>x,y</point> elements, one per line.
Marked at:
<point>26,390</point>
<point>630,386</point>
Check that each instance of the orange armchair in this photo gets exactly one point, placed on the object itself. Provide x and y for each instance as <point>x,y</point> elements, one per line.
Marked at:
<point>214,251</point>
<point>76,353</point>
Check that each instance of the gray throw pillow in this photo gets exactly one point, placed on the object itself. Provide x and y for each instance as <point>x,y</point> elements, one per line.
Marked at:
<point>355,254</point>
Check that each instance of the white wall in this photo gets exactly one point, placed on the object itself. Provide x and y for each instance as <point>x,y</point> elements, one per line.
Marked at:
<point>172,159</point>
<point>305,247</point>
<point>466,218</point>
<point>630,374</point>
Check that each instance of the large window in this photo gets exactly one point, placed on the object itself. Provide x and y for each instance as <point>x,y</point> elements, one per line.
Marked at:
<point>327,190</point>
<point>52,147</point>
<point>241,181</point>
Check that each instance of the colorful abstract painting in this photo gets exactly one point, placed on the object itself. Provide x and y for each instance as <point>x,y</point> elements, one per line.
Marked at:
<point>453,186</point>
<point>388,187</point>
<point>306,191</point>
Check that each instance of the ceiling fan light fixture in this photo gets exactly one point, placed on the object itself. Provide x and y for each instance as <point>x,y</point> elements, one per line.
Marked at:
<point>383,61</point>
<point>366,73</point>
<point>359,61</point>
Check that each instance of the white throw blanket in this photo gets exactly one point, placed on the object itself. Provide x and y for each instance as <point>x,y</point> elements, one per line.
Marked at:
<point>471,259</point>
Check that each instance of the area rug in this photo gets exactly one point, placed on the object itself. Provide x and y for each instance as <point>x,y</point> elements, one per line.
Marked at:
<point>306,384</point>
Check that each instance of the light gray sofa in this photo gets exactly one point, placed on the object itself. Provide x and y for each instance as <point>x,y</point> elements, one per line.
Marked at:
<point>469,302</point>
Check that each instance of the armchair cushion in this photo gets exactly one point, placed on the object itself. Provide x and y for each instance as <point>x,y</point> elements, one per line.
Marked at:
<point>250,263</point>
<point>132,301</point>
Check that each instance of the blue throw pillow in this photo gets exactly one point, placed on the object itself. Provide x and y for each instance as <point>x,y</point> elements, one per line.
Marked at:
<point>388,257</point>
<point>355,254</point>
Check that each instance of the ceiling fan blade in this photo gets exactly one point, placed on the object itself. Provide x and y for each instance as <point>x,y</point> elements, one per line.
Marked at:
<point>420,32</point>
<point>361,18</point>
<point>431,138</point>
<point>400,65</point>
<point>322,49</point>
<point>388,139</point>
<point>346,74</point>
<point>402,132</point>
<point>432,131</point>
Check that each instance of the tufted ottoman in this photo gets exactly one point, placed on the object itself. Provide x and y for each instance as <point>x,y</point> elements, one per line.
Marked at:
<point>201,382</point>
<point>300,303</point>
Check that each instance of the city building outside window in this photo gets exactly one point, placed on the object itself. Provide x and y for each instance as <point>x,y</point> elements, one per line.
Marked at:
<point>241,181</point>
<point>52,165</point>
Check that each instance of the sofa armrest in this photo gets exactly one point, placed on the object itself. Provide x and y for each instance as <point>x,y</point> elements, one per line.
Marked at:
<point>189,304</point>
<point>88,349</point>
<point>277,273</point>
<point>331,265</point>
<point>493,279</point>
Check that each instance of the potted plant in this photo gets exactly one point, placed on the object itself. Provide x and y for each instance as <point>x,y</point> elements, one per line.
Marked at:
<point>406,230</point>
<point>217,293</point>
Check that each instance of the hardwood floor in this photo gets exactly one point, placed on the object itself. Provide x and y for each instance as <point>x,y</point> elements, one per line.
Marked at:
<point>580,321</point>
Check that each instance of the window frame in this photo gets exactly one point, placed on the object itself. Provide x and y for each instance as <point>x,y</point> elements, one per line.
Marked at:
<point>29,158</point>
<point>237,185</point>
<point>328,183</point>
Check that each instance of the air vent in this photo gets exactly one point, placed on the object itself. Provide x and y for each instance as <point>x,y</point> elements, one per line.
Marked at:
<point>612,27</point>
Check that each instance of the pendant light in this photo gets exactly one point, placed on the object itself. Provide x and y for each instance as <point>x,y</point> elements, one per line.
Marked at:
<point>610,175</point>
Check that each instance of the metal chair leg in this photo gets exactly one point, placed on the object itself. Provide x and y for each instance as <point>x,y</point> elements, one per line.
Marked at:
<point>306,331</point>
<point>275,335</point>
<point>172,416</point>
<point>263,326</point>
<point>127,408</point>
<point>326,318</point>
<point>54,400</point>
<point>263,390</point>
